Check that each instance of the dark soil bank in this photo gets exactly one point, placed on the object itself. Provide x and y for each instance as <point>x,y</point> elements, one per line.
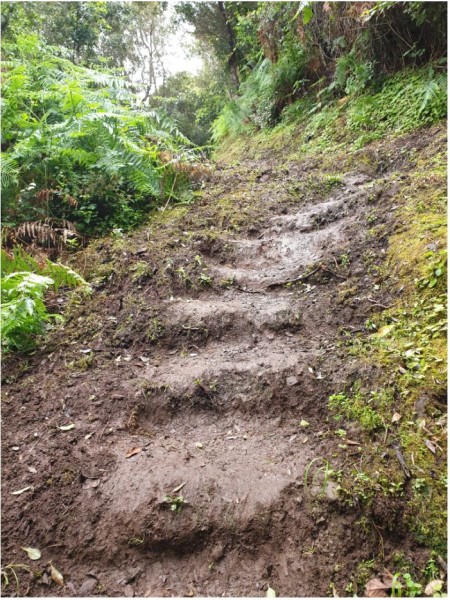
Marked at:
<point>197,377</point>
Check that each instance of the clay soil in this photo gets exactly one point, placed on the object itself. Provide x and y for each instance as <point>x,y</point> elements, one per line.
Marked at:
<point>215,366</point>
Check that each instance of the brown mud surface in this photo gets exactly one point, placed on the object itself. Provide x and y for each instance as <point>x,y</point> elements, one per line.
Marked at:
<point>206,364</point>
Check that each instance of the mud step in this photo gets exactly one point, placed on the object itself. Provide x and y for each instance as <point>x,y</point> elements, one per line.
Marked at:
<point>225,473</point>
<point>242,315</point>
<point>221,361</point>
<point>293,242</point>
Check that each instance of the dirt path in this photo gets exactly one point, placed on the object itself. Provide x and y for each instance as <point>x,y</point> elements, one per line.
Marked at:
<point>226,410</point>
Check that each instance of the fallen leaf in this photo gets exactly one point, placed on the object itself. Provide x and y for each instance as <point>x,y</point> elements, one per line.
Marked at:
<point>270,592</point>
<point>311,370</point>
<point>179,487</point>
<point>384,330</point>
<point>132,451</point>
<point>21,491</point>
<point>376,589</point>
<point>67,427</point>
<point>352,443</point>
<point>144,359</point>
<point>89,435</point>
<point>56,576</point>
<point>396,417</point>
<point>91,483</point>
<point>198,445</point>
<point>431,447</point>
<point>333,589</point>
<point>304,423</point>
<point>33,553</point>
<point>433,587</point>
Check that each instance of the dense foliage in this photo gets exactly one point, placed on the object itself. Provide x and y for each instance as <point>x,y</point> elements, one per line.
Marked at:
<point>306,56</point>
<point>77,146</point>
<point>193,102</point>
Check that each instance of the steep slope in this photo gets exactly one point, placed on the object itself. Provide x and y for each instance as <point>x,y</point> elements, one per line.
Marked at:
<point>204,459</point>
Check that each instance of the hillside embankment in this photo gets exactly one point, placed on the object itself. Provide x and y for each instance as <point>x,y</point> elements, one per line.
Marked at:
<point>206,457</point>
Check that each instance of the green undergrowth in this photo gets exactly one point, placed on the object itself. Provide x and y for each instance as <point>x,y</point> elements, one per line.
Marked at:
<point>403,411</point>
<point>24,283</point>
<point>77,145</point>
<point>406,101</point>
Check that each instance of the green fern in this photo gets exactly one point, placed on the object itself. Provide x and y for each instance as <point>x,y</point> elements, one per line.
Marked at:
<point>23,286</point>
<point>84,126</point>
<point>23,312</point>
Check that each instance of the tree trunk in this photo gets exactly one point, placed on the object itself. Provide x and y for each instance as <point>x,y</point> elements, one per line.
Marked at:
<point>233,65</point>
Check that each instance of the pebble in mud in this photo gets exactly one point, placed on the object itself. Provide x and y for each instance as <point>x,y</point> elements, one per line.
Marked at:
<point>217,553</point>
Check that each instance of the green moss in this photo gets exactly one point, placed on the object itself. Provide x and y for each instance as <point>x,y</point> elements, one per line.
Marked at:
<point>364,407</point>
<point>408,346</point>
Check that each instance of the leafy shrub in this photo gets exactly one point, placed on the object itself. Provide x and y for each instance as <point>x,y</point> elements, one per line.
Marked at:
<point>406,101</point>
<point>78,147</point>
<point>263,95</point>
<point>23,285</point>
<point>23,310</point>
<point>352,76</point>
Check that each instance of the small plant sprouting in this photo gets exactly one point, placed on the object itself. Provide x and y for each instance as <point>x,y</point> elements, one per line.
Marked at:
<point>332,181</point>
<point>226,283</point>
<point>136,541</point>
<point>327,471</point>
<point>205,280</point>
<point>11,571</point>
<point>410,589</point>
<point>344,260</point>
<point>176,503</point>
<point>371,217</point>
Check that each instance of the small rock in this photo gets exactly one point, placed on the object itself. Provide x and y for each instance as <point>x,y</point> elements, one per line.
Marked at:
<point>218,552</point>
<point>87,586</point>
<point>331,491</point>
<point>291,381</point>
<point>129,591</point>
<point>71,588</point>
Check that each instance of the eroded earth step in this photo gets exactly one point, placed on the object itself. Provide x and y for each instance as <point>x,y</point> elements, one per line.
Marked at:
<point>239,491</point>
<point>239,313</point>
<point>293,242</point>
<point>223,471</point>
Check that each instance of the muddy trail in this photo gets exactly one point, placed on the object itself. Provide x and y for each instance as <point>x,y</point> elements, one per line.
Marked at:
<point>197,378</point>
